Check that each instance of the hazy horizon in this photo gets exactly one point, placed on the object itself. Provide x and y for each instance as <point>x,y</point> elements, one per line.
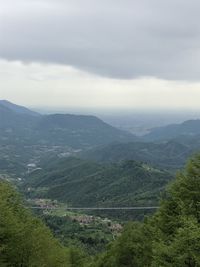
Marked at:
<point>133,120</point>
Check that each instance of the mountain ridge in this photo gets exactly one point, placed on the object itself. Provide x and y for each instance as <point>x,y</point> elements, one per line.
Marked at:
<point>78,131</point>
<point>170,155</point>
<point>17,108</point>
<point>187,128</point>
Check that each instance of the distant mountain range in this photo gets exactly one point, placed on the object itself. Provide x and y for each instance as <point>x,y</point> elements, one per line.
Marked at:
<point>27,135</point>
<point>187,128</point>
<point>165,147</point>
<point>80,131</point>
<point>57,129</point>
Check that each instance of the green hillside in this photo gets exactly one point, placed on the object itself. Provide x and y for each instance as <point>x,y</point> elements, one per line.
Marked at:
<point>171,237</point>
<point>168,238</point>
<point>187,128</point>
<point>170,155</point>
<point>84,183</point>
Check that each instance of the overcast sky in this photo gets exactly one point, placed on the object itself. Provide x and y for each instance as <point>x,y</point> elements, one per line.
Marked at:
<point>100,53</point>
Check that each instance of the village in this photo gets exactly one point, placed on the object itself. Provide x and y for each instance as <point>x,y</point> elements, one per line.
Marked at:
<point>54,208</point>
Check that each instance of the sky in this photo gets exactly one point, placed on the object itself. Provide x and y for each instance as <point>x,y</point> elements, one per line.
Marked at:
<point>124,54</point>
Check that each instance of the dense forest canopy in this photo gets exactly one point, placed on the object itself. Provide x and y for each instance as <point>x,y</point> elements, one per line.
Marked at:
<point>84,183</point>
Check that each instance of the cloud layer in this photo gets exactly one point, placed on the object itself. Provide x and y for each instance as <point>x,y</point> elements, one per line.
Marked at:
<point>118,39</point>
<point>60,86</point>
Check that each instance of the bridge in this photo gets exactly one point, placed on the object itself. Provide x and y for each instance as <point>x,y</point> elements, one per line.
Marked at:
<point>96,208</point>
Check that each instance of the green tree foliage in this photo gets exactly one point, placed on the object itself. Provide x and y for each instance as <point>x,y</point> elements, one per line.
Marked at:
<point>24,240</point>
<point>132,248</point>
<point>180,250</point>
<point>177,223</point>
<point>91,238</point>
<point>171,237</point>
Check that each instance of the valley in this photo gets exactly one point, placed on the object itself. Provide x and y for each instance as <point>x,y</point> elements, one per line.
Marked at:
<point>64,162</point>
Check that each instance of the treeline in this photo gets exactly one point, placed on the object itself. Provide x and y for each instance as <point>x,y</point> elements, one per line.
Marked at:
<point>169,238</point>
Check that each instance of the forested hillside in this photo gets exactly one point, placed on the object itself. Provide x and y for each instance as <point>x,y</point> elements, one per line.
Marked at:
<point>171,155</point>
<point>168,238</point>
<point>85,183</point>
<point>171,237</point>
<point>24,240</point>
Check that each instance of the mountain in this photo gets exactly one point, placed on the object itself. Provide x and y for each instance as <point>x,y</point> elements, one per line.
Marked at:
<point>11,120</point>
<point>85,183</point>
<point>15,135</point>
<point>170,155</point>
<point>77,131</point>
<point>187,128</point>
<point>17,109</point>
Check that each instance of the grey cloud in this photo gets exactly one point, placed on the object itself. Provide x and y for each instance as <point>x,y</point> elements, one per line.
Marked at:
<point>120,39</point>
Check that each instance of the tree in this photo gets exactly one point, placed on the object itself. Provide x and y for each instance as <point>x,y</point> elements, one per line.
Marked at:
<point>177,223</point>
<point>24,240</point>
<point>182,250</point>
<point>132,248</point>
